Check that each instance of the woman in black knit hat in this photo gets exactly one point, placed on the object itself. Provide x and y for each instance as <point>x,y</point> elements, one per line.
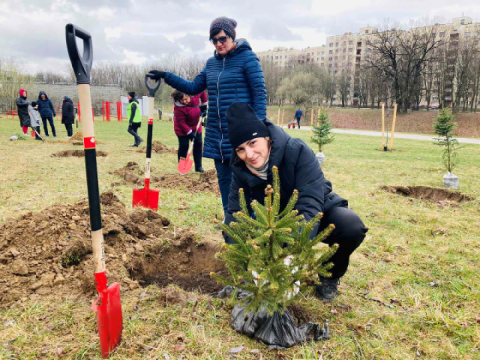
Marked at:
<point>260,145</point>
<point>232,74</point>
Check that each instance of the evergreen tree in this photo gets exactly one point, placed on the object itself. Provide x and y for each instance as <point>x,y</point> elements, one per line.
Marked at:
<point>273,257</point>
<point>322,133</point>
<point>444,129</point>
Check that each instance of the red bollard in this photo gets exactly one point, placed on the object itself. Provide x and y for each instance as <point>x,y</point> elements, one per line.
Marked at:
<point>119,111</point>
<point>107,107</point>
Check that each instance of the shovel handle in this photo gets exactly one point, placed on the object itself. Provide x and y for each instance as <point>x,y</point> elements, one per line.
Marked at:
<point>82,64</point>
<point>151,89</point>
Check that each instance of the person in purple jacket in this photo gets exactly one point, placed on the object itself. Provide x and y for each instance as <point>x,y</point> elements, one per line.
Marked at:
<point>187,113</point>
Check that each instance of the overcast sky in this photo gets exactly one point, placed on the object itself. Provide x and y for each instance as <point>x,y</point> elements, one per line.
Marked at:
<point>141,31</point>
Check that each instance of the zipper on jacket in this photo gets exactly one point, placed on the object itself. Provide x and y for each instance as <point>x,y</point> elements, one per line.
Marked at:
<point>218,107</point>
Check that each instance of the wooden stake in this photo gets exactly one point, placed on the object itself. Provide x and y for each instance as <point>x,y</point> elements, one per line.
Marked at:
<point>383,126</point>
<point>312,118</point>
<point>393,126</point>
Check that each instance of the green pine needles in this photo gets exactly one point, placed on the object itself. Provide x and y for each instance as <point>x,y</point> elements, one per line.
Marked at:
<point>444,129</point>
<point>273,257</point>
<point>322,133</point>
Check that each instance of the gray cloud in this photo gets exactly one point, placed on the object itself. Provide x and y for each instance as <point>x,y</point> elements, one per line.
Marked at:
<point>193,42</point>
<point>272,30</point>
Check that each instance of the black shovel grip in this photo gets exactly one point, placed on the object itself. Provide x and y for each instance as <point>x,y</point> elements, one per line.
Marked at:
<point>82,65</point>
<point>151,90</point>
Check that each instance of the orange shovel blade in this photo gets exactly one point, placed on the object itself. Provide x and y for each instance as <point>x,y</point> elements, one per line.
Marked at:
<point>185,165</point>
<point>146,198</point>
<point>109,318</point>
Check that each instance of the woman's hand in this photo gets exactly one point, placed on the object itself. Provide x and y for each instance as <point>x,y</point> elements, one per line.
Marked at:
<point>156,74</point>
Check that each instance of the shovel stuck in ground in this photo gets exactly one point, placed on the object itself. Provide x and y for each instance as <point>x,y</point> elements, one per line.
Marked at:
<point>146,197</point>
<point>185,164</point>
<point>107,306</point>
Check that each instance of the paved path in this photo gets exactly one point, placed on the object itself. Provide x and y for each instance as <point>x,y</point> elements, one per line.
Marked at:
<point>397,135</point>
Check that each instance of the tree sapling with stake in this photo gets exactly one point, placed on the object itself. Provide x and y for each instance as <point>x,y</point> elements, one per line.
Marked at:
<point>322,134</point>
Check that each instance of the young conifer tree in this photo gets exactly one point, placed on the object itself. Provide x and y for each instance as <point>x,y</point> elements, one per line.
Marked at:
<point>322,133</point>
<point>444,128</point>
<point>273,257</point>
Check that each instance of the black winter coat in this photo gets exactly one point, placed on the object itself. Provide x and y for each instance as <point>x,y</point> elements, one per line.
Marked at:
<point>68,114</point>
<point>298,168</point>
<point>22,109</point>
<point>45,107</point>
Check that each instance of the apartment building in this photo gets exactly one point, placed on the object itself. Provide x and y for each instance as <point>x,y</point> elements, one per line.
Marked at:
<point>348,52</point>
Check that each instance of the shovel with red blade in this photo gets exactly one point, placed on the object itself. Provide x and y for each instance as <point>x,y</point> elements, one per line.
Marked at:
<point>146,197</point>
<point>185,164</point>
<point>107,306</point>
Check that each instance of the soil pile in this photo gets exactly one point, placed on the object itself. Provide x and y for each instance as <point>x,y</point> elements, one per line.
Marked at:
<point>205,182</point>
<point>77,137</point>
<point>76,153</point>
<point>159,148</point>
<point>50,252</point>
<point>428,193</point>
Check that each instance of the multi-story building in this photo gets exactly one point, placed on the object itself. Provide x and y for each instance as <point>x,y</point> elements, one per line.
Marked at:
<point>348,52</point>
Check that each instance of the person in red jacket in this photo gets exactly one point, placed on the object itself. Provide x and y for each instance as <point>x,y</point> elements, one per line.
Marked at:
<point>186,115</point>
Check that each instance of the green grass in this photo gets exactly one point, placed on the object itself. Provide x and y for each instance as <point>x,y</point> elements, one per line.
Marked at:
<point>410,245</point>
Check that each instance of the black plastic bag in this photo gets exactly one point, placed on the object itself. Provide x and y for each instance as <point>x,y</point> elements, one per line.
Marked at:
<point>278,330</point>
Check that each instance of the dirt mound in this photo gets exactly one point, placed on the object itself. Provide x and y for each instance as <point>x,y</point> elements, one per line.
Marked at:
<point>428,193</point>
<point>50,252</point>
<point>77,153</point>
<point>77,137</point>
<point>205,182</point>
<point>159,148</point>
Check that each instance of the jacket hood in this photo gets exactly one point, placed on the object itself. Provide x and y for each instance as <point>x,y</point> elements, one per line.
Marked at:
<point>42,93</point>
<point>21,92</point>
<point>133,99</point>
<point>279,139</point>
<point>67,99</point>
<point>241,45</point>
<point>179,104</point>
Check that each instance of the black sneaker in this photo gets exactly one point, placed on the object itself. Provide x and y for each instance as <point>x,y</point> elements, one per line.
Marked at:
<point>328,289</point>
<point>134,145</point>
<point>200,170</point>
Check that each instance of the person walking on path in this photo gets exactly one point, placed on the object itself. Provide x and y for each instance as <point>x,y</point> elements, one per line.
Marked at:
<point>35,119</point>
<point>298,116</point>
<point>47,111</point>
<point>22,110</point>
<point>260,145</point>
<point>134,117</point>
<point>232,74</point>
<point>187,113</point>
<point>68,115</point>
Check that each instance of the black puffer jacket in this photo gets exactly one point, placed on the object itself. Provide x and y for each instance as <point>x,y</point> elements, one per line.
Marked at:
<point>298,169</point>
<point>22,110</point>
<point>68,114</point>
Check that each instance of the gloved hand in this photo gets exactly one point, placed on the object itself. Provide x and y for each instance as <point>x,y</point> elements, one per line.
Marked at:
<point>156,74</point>
<point>203,110</point>
<point>191,136</point>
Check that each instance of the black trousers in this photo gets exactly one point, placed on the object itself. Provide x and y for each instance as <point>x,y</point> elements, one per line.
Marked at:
<point>183,144</point>
<point>52,125</point>
<point>132,130</point>
<point>37,128</point>
<point>69,129</point>
<point>298,122</point>
<point>349,233</point>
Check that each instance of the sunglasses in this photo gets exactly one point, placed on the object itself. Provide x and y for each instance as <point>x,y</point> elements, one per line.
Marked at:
<point>222,39</point>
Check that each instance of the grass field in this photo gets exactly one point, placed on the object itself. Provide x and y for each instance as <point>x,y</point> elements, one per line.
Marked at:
<point>412,290</point>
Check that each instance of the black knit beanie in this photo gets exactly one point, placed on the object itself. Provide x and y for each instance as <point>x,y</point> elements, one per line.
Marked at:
<point>132,94</point>
<point>34,103</point>
<point>225,24</point>
<point>244,124</point>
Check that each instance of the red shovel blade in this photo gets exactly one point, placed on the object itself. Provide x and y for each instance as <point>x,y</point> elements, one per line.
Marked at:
<point>185,165</point>
<point>146,198</point>
<point>109,315</point>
